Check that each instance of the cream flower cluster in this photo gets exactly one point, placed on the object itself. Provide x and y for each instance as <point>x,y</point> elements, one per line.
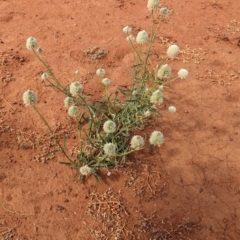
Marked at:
<point>109,126</point>
<point>29,98</point>
<point>75,88</point>
<point>127,29</point>
<point>182,73</point>
<point>164,71</point>
<point>110,149</point>
<point>31,43</point>
<point>156,138</point>
<point>106,81</point>
<point>73,111</point>
<point>172,51</point>
<point>156,97</point>
<point>152,4</point>
<point>85,170</point>
<point>100,72</point>
<point>68,101</point>
<point>137,142</point>
<point>172,109</point>
<point>142,37</point>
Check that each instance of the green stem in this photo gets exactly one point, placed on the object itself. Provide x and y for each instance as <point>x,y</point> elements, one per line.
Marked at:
<point>49,71</point>
<point>51,131</point>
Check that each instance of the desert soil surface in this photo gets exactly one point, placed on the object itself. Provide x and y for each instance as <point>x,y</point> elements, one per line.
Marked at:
<point>189,188</point>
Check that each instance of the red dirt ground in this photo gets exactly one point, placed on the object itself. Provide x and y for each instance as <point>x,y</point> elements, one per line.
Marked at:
<point>188,189</point>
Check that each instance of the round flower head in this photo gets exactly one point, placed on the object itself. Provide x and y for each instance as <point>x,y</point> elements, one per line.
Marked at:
<point>137,142</point>
<point>127,29</point>
<point>183,73</point>
<point>29,98</point>
<point>156,138</point>
<point>172,51</point>
<point>31,43</point>
<point>163,11</point>
<point>106,81</point>
<point>109,126</point>
<point>73,111</point>
<point>130,38</point>
<point>142,37</point>
<point>172,109</point>
<point>152,4</point>
<point>68,101</point>
<point>110,149</point>
<point>101,72</point>
<point>75,88</point>
<point>44,76</point>
<point>85,170</point>
<point>147,113</point>
<point>157,97</point>
<point>164,71</point>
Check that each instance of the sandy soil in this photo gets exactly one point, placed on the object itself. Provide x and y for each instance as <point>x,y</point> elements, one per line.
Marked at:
<point>188,189</point>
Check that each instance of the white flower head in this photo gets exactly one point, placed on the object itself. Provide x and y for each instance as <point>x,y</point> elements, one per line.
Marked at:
<point>68,101</point>
<point>101,72</point>
<point>156,97</point>
<point>137,142</point>
<point>109,126</point>
<point>75,88</point>
<point>142,37</point>
<point>147,113</point>
<point>152,4</point>
<point>106,81</point>
<point>172,51</point>
<point>29,98</point>
<point>73,111</point>
<point>164,71</point>
<point>110,149</point>
<point>130,38</point>
<point>44,76</point>
<point>127,29</point>
<point>31,43</point>
<point>163,11</point>
<point>183,73</point>
<point>172,109</point>
<point>85,170</point>
<point>156,138</point>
